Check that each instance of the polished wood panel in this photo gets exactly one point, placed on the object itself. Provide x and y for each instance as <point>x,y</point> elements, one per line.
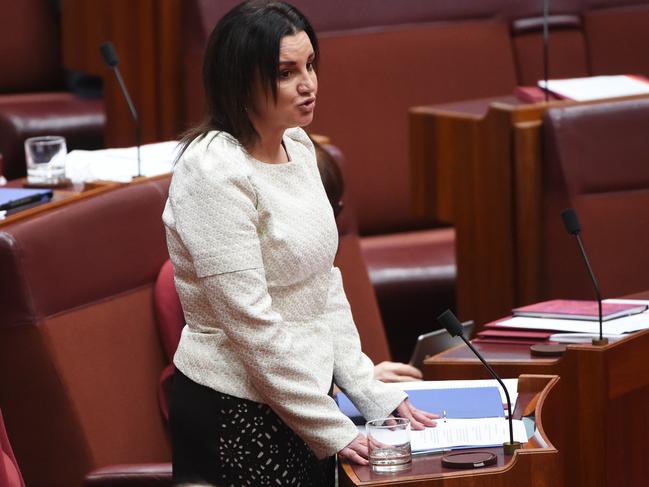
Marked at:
<point>602,423</point>
<point>535,465</point>
<point>146,35</point>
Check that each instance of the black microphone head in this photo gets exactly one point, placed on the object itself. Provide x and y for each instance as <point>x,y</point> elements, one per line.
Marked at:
<point>448,320</point>
<point>108,53</point>
<point>570,220</point>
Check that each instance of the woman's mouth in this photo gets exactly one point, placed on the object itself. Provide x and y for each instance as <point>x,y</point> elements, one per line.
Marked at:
<point>307,105</point>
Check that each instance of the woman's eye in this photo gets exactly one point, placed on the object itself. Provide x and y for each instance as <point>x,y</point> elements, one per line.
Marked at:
<point>309,66</point>
<point>285,74</point>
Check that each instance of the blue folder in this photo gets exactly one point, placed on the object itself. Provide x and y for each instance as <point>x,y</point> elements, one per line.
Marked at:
<point>464,403</point>
<point>13,198</point>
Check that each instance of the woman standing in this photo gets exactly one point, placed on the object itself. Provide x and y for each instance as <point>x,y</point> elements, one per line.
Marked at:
<point>252,239</point>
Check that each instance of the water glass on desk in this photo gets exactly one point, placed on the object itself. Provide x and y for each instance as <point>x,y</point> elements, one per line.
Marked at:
<point>45,158</point>
<point>388,442</point>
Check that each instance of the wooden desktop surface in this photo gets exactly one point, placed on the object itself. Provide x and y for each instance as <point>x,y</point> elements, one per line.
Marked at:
<point>603,422</point>
<point>533,465</point>
<point>62,196</point>
<point>69,195</point>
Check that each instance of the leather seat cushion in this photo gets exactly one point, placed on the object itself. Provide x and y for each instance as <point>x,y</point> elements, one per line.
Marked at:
<point>413,274</point>
<point>81,121</point>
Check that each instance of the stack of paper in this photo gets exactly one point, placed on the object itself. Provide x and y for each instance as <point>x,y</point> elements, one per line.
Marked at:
<point>120,164</point>
<point>466,433</point>
<point>619,326</point>
<point>536,329</point>
<point>598,87</point>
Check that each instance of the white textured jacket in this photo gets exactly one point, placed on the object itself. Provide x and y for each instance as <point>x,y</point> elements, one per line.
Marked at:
<point>252,246</point>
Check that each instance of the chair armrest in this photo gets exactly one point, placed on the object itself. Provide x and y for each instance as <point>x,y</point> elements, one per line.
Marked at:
<point>132,475</point>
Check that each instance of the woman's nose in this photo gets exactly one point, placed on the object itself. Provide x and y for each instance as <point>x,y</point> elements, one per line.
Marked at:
<point>307,83</point>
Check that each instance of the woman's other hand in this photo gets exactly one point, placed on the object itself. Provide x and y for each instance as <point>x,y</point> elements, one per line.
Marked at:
<point>418,419</point>
<point>356,451</point>
<point>396,372</point>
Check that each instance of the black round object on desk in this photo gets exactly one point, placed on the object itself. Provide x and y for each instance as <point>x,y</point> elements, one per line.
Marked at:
<point>547,350</point>
<point>472,459</point>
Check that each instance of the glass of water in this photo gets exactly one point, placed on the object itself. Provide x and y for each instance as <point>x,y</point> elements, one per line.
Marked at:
<point>45,159</point>
<point>388,441</point>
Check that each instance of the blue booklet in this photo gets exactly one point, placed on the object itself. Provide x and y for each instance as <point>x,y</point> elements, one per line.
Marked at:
<point>462,403</point>
<point>13,198</point>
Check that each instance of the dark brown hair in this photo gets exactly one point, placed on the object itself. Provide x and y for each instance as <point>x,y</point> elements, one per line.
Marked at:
<point>332,177</point>
<point>243,48</point>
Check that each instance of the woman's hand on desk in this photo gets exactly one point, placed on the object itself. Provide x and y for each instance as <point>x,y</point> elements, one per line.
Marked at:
<point>396,372</point>
<point>418,419</point>
<point>356,451</point>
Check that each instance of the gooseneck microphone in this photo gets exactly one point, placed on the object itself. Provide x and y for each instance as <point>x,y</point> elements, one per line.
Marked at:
<point>571,222</point>
<point>546,34</point>
<point>449,321</point>
<point>109,55</point>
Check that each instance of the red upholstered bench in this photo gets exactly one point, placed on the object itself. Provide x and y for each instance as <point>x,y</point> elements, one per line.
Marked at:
<point>33,100</point>
<point>80,355</point>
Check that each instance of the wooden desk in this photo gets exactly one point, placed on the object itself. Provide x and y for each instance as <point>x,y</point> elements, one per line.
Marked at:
<point>477,165</point>
<point>602,426</point>
<point>61,197</point>
<point>535,465</point>
<point>70,195</point>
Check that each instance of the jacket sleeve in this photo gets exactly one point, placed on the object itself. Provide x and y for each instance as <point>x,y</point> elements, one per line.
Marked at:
<point>353,370</point>
<point>215,216</point>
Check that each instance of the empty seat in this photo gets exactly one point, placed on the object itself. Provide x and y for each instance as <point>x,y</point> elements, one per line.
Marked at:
<point>596,162</point>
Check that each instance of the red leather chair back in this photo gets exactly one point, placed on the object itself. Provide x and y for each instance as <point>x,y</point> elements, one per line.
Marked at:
<point>169,311</point>
<point>9,472</point>
<point>362,299</point>
<point>79,351</point>
<point>596,162</point>
<point>170,321</point>
<point>30,48</point>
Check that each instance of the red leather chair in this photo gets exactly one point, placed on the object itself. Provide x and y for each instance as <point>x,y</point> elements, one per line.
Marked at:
<point>33,98</point>
<point>80,354</point>
<point>170,321</point>
<point>596,163</point>
<point>9,472</point>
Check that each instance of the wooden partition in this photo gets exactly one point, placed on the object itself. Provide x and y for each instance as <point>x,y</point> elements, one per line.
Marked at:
<point>146,36</point>
<point>534,465</point>
<point>601,426</point>
<point>477,165</point>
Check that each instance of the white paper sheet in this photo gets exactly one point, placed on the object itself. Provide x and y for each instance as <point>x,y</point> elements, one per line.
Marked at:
<point>582,337</point>
<point>120,164</point>
<point>597,87</point>
<point>466,433</point>
<point>626,324</point>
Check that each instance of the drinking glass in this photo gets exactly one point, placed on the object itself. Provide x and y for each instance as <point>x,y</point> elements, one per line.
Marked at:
<point>45,159</point>
<point>388,441</point>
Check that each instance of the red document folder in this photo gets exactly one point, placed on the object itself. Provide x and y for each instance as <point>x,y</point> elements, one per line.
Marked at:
<point>492,333</point>
<point>578,310</point>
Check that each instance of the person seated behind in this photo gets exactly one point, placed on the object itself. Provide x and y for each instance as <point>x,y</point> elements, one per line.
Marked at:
<point>334,185</point>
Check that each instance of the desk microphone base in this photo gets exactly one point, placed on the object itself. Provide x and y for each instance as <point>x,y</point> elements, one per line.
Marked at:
<point>510,448</point>
<point>466,460</point>
<point>600,342</point>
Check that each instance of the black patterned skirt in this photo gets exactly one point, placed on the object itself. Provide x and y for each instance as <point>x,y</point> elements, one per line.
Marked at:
<point>227,441</point>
